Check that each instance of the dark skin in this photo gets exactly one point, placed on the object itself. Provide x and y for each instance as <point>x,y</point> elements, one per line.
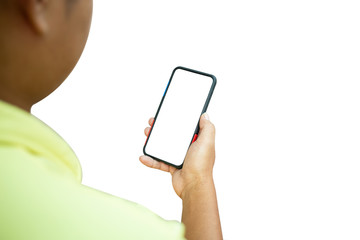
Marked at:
<point>40,43</point>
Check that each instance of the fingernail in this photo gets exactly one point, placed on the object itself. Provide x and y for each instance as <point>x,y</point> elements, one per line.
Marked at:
<point>206,116</point>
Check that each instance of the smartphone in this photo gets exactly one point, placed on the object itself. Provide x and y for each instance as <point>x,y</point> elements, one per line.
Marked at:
<point>176,124</point>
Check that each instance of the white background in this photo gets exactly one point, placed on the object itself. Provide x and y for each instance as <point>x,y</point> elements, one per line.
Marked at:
<point>286,108</point>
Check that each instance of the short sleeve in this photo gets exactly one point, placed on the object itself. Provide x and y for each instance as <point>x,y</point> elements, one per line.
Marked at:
<point>39,203</point>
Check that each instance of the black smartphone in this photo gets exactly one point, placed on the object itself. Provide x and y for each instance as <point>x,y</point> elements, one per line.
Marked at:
<point>176,124</point>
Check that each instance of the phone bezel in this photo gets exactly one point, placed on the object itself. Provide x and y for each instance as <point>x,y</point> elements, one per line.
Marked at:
<point>203,110</point>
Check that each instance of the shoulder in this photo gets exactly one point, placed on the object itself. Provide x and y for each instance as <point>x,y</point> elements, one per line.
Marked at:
<point>53,206</point>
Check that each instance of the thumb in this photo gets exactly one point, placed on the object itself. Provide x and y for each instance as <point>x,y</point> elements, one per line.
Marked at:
<point>207,129</point>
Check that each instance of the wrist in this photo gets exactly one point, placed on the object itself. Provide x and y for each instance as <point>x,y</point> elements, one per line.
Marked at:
<point>197,185</point>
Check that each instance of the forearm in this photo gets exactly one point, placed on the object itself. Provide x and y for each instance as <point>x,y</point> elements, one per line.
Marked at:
<point>200,211</point>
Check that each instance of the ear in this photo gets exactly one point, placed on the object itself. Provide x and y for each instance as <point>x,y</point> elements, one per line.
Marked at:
<point>35,13</point>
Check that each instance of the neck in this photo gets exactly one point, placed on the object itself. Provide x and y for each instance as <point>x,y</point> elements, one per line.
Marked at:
<point>6,96</point>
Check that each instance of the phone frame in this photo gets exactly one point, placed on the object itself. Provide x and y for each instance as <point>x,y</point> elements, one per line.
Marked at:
<point>202,111</point>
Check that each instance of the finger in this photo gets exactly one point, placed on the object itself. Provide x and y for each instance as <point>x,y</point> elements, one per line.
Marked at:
<point>151,121</point>
<point>149,162</point>
<point>147,131</point>
<point>207,129</point>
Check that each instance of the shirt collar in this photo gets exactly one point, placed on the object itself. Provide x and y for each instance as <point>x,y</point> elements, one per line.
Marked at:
<point>21,129</point>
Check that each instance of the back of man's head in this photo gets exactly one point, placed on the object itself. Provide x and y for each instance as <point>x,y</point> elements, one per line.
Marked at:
<point>40,43</point>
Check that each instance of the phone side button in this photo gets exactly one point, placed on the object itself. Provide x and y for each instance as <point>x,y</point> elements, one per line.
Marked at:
<point>195,137</point>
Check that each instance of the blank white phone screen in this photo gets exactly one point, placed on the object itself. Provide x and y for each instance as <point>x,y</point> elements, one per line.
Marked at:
<point>178,116</point>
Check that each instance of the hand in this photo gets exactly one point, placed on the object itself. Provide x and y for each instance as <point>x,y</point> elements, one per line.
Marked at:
<point>199,160</point>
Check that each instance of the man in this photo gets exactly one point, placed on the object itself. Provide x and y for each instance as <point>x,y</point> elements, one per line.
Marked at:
<point>41,195</point>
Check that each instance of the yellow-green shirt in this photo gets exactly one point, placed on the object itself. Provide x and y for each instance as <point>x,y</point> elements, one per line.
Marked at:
<point>41,195</point>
